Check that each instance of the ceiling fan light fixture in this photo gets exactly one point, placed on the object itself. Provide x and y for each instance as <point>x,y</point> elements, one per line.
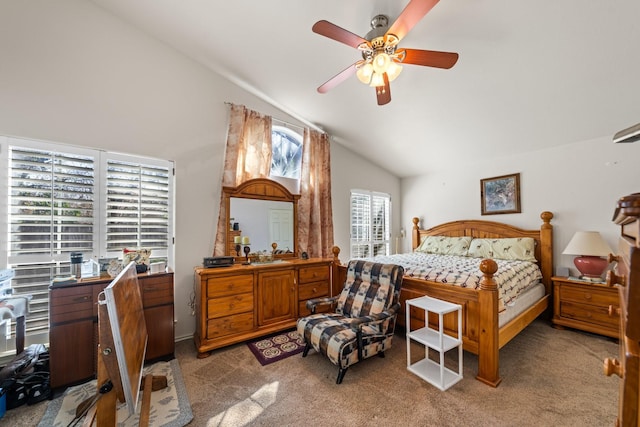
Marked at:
<point>376,80</point>
<point>365,73</point>
<point>381,62</point>
<point>393,70</point>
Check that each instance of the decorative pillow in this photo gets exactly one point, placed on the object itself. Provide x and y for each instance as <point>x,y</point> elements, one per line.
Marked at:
<point>517,248</point>
<point>444,245</point>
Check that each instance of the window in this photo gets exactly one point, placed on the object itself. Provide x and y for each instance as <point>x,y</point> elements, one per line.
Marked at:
<point>62,199</point>
<point>370,224</point>
<point>286,152</point>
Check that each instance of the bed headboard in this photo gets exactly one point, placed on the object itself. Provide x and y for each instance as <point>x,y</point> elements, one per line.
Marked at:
<point>491,229</point>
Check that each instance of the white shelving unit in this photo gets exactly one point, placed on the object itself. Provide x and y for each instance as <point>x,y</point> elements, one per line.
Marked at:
<point>434,372</point>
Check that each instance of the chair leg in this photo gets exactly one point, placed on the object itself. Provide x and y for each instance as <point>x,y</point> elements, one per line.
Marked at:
<point>307,347</point>
<point>341,373</point>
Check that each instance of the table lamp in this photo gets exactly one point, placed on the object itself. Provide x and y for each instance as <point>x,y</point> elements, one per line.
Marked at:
<point>590,248</point>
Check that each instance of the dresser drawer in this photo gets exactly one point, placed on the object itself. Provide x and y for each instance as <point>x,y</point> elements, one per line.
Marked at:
<point>228,325</point>
<point>229,285</point>
<point>157,291</point>
<point>313,290</point>
<point>224,306</point>
<point>313,274</point>
<point>589,313</point>
<point>71,304</point>
<point>589,295</point>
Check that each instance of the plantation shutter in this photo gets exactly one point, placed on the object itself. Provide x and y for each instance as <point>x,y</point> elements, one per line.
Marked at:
<point>51,213</point>
<point>137,207</point>
<point>370,224</point>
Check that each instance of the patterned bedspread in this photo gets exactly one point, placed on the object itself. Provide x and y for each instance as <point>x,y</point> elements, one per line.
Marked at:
<point>512,277</point>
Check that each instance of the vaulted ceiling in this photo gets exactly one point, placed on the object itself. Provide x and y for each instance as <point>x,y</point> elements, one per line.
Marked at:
<point>531,75</point>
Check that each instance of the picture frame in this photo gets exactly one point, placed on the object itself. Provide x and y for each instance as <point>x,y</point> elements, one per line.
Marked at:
<point>500,194</point>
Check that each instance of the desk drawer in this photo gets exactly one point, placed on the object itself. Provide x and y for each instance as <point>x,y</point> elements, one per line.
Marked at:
<point>157,291</point>
<point>314,274</point>
<point>229,285</point>
<point>71,304</point>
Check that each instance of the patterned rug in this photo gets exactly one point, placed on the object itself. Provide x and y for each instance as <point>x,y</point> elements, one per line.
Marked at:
<point>277,347</point>
<point>170,406</point>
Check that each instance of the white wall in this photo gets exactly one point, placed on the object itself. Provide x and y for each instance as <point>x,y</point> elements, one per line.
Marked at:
<point>579,183</point>
<point>73,74</point>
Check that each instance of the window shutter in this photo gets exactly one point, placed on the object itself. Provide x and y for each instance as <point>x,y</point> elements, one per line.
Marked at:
<point>370,224</point>
<point>51,204</point>
<point>137,207</point>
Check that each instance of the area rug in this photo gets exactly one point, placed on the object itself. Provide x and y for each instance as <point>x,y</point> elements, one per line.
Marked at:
<point>277,347</point>
<point>170,406</point>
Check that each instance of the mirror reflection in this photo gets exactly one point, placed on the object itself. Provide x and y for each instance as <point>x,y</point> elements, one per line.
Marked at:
<point>264,222</point>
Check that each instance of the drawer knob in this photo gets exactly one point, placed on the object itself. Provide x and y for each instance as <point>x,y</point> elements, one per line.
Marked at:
<point>315,290</point>
<point>612,366</point>
<point>612,258</point>
<point>587,296</point>
<point>614,279</point>
<point>614,311</point>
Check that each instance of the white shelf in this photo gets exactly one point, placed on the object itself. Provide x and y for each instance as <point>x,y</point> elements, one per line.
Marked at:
<point>430,371</point>
<point>435,339</point>
<point>431,338</point>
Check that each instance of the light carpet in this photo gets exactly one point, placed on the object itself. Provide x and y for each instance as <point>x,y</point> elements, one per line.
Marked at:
<point>169,407</point>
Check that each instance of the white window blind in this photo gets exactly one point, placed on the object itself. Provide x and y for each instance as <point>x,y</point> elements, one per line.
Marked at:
<point>370,224</point>
<point>137,207</point>
<point>64,199</point>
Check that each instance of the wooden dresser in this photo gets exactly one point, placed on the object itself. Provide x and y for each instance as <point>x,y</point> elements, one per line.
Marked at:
<point>242,302</point>
<point>73,317</point>
<point>626,277</point>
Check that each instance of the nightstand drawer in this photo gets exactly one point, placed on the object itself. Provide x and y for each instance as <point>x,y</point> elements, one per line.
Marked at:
<point>589,295</point>
<point>588,313</point>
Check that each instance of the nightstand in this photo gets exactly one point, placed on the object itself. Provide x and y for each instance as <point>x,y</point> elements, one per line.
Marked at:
<point>584,305</point>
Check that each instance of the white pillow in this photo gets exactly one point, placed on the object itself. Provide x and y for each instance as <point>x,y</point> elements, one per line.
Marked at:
<point>516,248</point>
<point>444,245</point>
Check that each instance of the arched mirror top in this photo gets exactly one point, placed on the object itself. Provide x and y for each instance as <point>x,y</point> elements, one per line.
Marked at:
<point>264,212</point>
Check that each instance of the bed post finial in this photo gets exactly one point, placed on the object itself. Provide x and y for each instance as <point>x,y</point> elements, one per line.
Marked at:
<point>336,252</point>
<point>546,217</point>
<point>415,233</point>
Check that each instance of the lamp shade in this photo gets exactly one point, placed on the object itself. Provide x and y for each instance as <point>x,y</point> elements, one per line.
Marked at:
<point>590,247</point>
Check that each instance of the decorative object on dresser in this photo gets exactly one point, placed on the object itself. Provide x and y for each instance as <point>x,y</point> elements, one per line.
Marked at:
<point>590,248</point>
<point>73,315</point>
<point>585,305</point>
<point>626,280</point>
<point>243,302</point>
<point>486,327</point>
<point>500,195</point>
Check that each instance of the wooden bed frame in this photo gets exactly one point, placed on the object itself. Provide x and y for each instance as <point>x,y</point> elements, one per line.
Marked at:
<point>481,334</point>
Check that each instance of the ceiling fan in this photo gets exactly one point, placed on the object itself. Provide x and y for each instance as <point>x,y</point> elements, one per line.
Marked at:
<point>381,57</point>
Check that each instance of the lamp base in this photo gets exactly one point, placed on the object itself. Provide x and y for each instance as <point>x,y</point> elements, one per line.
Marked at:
<point>590,267</point>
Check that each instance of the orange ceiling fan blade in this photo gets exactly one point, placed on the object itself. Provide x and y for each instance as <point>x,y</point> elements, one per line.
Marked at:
<point>332,31</point>
<point>383,93</point>
<point>409,17</point>
<point>338,78</point>
<point>428,58</point>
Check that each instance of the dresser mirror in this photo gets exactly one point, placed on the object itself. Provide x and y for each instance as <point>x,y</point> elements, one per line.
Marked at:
<point>261,212</point>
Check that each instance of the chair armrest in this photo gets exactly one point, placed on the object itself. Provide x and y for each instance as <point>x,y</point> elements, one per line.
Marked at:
<point>373,319</point>
<point>313,303</point>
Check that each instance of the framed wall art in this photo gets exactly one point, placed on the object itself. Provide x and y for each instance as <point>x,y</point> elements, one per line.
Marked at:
<point>500,195</point>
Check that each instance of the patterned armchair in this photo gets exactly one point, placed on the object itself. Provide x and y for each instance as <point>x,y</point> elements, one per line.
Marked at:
<point>364,319</point>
